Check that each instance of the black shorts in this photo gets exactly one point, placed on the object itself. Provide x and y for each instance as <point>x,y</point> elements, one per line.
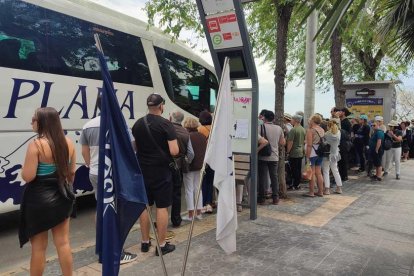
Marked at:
<point>376,157</point>
<point>159,185</point>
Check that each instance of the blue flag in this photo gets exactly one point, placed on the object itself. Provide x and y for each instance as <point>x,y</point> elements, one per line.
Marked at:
<point>121,194</point>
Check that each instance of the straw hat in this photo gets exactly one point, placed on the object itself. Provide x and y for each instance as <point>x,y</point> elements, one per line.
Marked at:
<point>393,123</point>
<point>287,116</point>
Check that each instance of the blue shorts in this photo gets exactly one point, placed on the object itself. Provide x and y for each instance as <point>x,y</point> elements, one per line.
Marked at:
<point>316,161</point>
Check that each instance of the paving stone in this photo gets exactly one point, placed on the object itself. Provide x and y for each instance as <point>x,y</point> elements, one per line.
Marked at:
<point>370,233</point>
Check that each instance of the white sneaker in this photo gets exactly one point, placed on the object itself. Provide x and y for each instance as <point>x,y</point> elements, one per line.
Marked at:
<point>186,218</point>
<point>127,257</point>
<point>199,217</point>
<point>209,209</point>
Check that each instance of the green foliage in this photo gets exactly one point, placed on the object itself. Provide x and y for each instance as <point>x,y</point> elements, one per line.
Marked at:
<point>174,17</point>
<point>359,32</point>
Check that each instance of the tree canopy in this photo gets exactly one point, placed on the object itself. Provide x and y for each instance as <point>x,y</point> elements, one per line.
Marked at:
<point>366,56</point>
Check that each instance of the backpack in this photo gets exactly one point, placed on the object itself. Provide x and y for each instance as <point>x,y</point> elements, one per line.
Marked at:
<point>324,148</point>
<point>266,150</point>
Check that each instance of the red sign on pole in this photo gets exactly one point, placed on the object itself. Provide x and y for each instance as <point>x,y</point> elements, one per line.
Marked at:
<point>227,36</point>
<point>213,25</point>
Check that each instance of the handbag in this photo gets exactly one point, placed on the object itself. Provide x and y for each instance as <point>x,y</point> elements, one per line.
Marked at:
<point>66,191</point>
<point>185,165</point>
<point>266,150</point>
<point>307,173</point>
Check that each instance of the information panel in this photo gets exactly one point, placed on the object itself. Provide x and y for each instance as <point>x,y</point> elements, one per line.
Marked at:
<point>224,30</point>
<point>242,112</point>
<point>368,106</point>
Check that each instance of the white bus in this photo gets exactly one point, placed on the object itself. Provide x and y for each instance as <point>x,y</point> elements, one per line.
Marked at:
<point>48,58</point>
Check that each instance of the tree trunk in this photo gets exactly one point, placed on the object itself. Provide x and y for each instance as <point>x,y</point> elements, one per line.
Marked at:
<point>284,13</point>
<point>370,63</point>
<point>336,64</point>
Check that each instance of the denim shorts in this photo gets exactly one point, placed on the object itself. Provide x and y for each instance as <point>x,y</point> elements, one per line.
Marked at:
<point>316,161</point>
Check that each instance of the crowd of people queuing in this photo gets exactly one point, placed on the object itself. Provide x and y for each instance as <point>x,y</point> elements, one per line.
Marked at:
<point>329,148</point>
<point>326,146</point>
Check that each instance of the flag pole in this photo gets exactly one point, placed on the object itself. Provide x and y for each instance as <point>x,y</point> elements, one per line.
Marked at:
<point>202,173</point>
<point>98,43</point>
<point>157,240</point>
<point>99,47</point>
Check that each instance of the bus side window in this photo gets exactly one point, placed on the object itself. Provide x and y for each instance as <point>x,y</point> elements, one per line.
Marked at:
<point>188,84</point>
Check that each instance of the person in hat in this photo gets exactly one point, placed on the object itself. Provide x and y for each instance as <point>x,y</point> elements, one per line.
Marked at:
<point>380,121</point>
<point>376,150</point>
<point>361,140</point>
<point>330,161</point>
<point>406,136</point>
<point>287,118</point>
<point>393,154</point>
<point>156,141</point>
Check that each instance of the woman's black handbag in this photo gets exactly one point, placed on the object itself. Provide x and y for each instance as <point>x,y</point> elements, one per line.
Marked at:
<point>66,191</point>
<point>266,150</point>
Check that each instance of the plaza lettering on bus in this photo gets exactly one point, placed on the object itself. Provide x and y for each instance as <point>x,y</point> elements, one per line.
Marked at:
<point>23,89</point>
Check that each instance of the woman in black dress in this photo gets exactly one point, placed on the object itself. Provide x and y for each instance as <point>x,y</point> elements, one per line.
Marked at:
<point>47,200</point>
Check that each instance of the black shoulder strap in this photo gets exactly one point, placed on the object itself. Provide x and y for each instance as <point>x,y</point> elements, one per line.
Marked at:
<point>320,139</point>
<point>263,131</point>
<point>154,142</point>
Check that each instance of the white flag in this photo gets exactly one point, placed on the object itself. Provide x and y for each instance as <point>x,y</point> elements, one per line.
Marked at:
<point>219,157</point>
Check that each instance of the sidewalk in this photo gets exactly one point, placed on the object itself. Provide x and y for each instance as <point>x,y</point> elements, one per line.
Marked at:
<point>368,230</point>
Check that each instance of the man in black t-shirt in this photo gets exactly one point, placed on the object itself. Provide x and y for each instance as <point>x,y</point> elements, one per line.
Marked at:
<point>156,142</point>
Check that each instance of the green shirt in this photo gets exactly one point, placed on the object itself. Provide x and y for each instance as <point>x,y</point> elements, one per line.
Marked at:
<point>297,135</point>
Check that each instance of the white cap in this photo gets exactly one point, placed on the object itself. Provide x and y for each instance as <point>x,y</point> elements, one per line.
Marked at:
<point>379,118</point>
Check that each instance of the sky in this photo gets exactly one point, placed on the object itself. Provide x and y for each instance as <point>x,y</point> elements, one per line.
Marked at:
<point>294,93</point>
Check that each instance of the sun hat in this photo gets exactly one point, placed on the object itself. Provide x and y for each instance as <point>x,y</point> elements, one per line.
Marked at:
<point>363,116</point>
<point>379,118</point>
<point>287,116</point>
<point>393,123</point>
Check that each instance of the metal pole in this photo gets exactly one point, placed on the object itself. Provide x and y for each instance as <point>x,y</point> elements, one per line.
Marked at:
<point>157,240</point>
<point>190,233</point>
<point>98,43</point>
<point>310,72</point>
<point>255,109</point>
